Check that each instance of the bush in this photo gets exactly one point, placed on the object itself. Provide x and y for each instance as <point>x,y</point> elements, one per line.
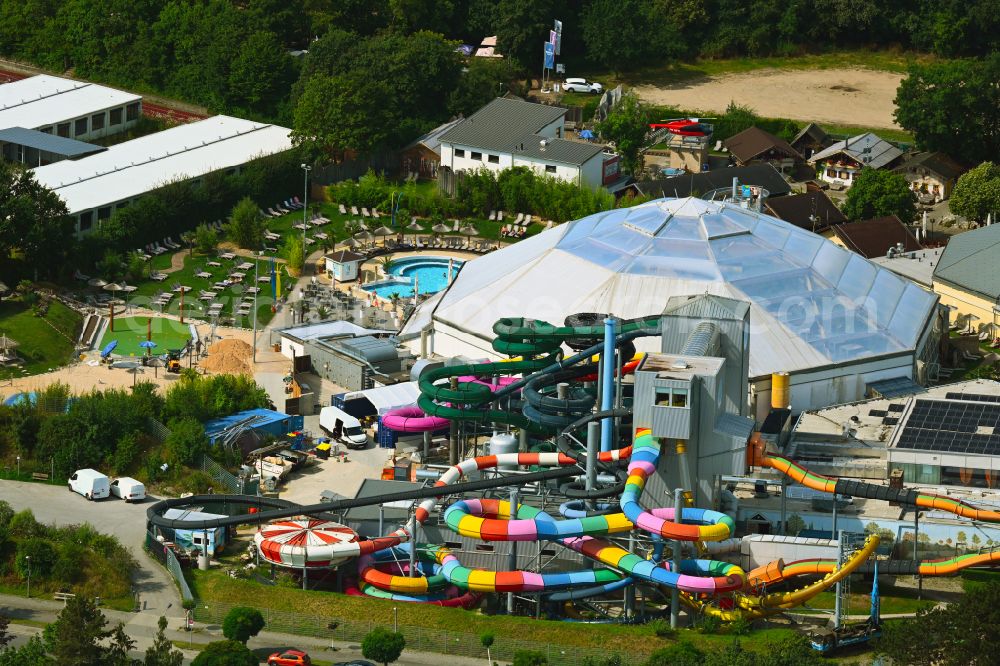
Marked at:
<point>242,623</point>
<point>680,654</point>
<point>708,624</point>
<point>529,658</point>
<point>740,627</point>
<point>205,239</point>
<point>23,524</point>
<point>43,558</point>
<point>187,440</point>
<point>662,629</point>
<point>226,653</point>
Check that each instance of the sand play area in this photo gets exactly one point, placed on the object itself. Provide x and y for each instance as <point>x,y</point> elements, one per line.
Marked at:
<point>860,97</point>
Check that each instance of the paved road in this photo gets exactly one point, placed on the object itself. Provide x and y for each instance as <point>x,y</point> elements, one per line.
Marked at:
<point>55,504</point>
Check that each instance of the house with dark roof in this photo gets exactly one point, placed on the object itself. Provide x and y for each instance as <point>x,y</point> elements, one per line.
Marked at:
<point>511,132</point>
<point>763,176</point>
<point>840,163</point>
<point>754,145</point>
<point>811,139</point>
<point>423,155</point>
<point>967,278</point>
<point>875,237</point>
<point>342,265</point>
<point>812,211</point>
<point>931,175</point>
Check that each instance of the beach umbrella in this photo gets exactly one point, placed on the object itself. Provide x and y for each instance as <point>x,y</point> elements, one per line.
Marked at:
<point>440,228</point>
<point>364,235</point>
<point>108,348</point>
<point>384,231</point>
<point>112,287</point>
<point>352,243</point>
<point>468,230</point>
<point>147,345</point>
<point>6,344</point>
<point>96,282</point>
<point>414,225</point>
<point>586,134</point>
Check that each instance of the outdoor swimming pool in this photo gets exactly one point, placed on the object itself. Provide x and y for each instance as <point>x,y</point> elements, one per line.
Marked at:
<point>431,274</point>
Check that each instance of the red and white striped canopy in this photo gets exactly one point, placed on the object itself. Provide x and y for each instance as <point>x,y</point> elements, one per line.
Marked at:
<point>306,542</point>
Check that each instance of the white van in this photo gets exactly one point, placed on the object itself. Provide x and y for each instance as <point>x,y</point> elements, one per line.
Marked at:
<point>90,483</point>
<point>343,427</point>
<point>128,489</point>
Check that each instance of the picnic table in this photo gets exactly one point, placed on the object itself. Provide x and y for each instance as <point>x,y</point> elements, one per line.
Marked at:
<point>214,263</point>
<point>203,275</point>
<point>227,255</point>
<point>245,266</point>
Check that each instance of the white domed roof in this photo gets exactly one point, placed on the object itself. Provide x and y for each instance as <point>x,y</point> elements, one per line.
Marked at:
<point>813,302</point>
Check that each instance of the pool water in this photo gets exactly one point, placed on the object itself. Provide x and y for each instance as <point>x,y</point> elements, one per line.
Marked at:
<point>431,274</point>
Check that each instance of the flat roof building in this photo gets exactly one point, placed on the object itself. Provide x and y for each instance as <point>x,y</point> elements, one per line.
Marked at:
<point>95,186</point>
<point>66,108</point>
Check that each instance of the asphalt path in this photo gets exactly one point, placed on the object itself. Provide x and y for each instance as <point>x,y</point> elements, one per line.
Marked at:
<point>157,591</point>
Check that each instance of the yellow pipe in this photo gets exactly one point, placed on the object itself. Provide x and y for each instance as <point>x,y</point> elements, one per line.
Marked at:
<point>780,397</point>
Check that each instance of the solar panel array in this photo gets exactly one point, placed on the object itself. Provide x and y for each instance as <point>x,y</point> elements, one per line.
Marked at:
<point>974,397</point>
<point>951,426</point>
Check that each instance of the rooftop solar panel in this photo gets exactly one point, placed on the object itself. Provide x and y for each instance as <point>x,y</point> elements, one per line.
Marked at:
<point>959,424</point>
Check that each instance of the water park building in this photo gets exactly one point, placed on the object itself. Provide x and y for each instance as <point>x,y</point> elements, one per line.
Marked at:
<point>94,187</point>
<point>833,320</point>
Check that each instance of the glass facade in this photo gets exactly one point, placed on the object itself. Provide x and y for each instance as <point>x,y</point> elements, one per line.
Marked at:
<point>970,477</point>
<point>841,304</point>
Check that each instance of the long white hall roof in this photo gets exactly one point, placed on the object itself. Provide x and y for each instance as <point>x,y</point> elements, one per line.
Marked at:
<point>43,100</point>
<point>813,303</point>
<point>132,168</point>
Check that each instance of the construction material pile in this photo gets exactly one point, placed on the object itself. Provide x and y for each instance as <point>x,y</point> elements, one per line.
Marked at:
<point>229,357</point>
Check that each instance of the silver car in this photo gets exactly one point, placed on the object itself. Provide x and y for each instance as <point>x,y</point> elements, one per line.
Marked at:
<point>583,86</point>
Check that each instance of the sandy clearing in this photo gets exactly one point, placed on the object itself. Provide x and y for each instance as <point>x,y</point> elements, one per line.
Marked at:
<point>860,97</point>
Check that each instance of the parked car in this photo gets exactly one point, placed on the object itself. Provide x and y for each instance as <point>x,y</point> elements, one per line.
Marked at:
<point>90,483</point>
<point>289,658</point>
<point>583,86</point>
<point>128,489</point>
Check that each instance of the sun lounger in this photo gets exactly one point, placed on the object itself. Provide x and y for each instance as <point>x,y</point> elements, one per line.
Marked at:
<point>520,217</point>
<point>295,200</point>
<point>264,213</point>
<point>284,210</point>
<point>493,216</point>
<point>548,225</point>
<point>273,213</point>
<point>80,276</point>
<point>528,219</point>
<point>158,277</point>
<point>364,211</point>
<point>144,255</point>
<point>204,275</point>
<point>354,210</point>
<point>375,213</point>
<point>342,208</point>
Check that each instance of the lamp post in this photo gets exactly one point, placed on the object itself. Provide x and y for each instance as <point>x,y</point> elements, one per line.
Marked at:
<point>305,209</point>
<point>27,565</point>
<point>256,276</point>
<point>19,467</point>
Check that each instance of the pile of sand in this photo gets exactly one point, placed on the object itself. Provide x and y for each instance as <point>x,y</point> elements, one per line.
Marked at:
<point>229,357</point>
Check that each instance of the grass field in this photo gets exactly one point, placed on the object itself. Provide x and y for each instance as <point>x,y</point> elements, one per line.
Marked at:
<point>130,331</point>
<point>45,343</point>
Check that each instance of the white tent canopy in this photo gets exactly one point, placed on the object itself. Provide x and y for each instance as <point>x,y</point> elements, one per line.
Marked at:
<point>384,398</point>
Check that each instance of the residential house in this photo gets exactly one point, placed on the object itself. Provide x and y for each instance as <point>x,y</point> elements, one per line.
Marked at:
<point>875,237</point>
<point>840,163</point>
<point>510,132</point>
<point>967,278</point>
<point>754,145</point>
<point>812,211</point>
<point>931,175</point>
<point>763,176</point>
<point>810,140</point>
<point>343,265</point>
<point>423,156</point>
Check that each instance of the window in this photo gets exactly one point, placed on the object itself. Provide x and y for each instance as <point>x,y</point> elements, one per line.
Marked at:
<point>104,213</point>
<point>97,121</point>
<point>671,397</point>
<point>550,168</point>
<point>116,117</point>
<point>86,220</point>
<point>121,204</point>
<point>493,159</point>
<point>80,127</point>
<point>830,173</point>
<point>484,547</point>
<point>46,130</point>
<point>63,130</point>
<point>477,156</point>
<point>231,172</point>
<point>459,152</point>
<point>559,132</point>
<point>132,112</point>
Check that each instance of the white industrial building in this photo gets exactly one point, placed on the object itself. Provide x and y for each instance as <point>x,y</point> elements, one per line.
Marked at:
<point>95,186</point>
<point>66,108</point>
<point>835,321</point>
<point>509,133</point>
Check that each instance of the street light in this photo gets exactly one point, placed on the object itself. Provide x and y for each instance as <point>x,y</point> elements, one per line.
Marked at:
<point>305,209</point>
<point>19,467</point>
<point>27,564</point>
<point>256,286</point>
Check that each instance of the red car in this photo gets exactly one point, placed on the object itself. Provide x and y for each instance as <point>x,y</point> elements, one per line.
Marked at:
<point>289,658</point>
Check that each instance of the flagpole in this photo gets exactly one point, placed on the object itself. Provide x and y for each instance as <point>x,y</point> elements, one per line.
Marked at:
<point>256,270</point>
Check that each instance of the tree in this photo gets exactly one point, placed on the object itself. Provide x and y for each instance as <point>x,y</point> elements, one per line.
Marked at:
<point>242,623</point>
<point>382,645</point>
<point>487,642</point>
<point>30,654</point>
<point>605,21</point>
<point>261,73</point>
<point>794,524</point>
<point>977,193</point>
<point>34,220</point>
<point>681,653</point>
<point>187,440</point>
<point>876,193</point>
<point>293,253</point>
<point>205,239</point>
<point>5,636</point>
<point>529,658</point>
<point>340,113</point>
<point>75,638</point>
<point>162,652</point>
<point>961,633</point>
<point>522,26</point>
<point>627,125</point>
<point>226,653</point>
<point>246,228</point>
<point>953,106</point>
<point>117,652</point>
<point>485,79</point>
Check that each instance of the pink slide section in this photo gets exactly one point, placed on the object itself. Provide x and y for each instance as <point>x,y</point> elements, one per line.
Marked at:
<point>412,419</point>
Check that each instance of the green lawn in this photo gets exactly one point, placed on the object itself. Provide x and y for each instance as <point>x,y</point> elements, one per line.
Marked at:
<point>130,331</point>
<point>898,600</point>
<point>42,346</point>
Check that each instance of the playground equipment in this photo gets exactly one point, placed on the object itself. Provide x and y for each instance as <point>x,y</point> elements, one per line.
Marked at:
<point>553,398</point>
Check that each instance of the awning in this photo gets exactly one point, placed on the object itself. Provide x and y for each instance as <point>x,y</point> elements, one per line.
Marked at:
<point>385,398</point>
<point>896,387</point>
<point>49,143</point>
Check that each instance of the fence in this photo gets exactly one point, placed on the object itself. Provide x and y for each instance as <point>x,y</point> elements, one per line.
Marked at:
<point>223,477</point>
<point>157,430</point>
<point>166,557</point>
<point>418,639</point>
